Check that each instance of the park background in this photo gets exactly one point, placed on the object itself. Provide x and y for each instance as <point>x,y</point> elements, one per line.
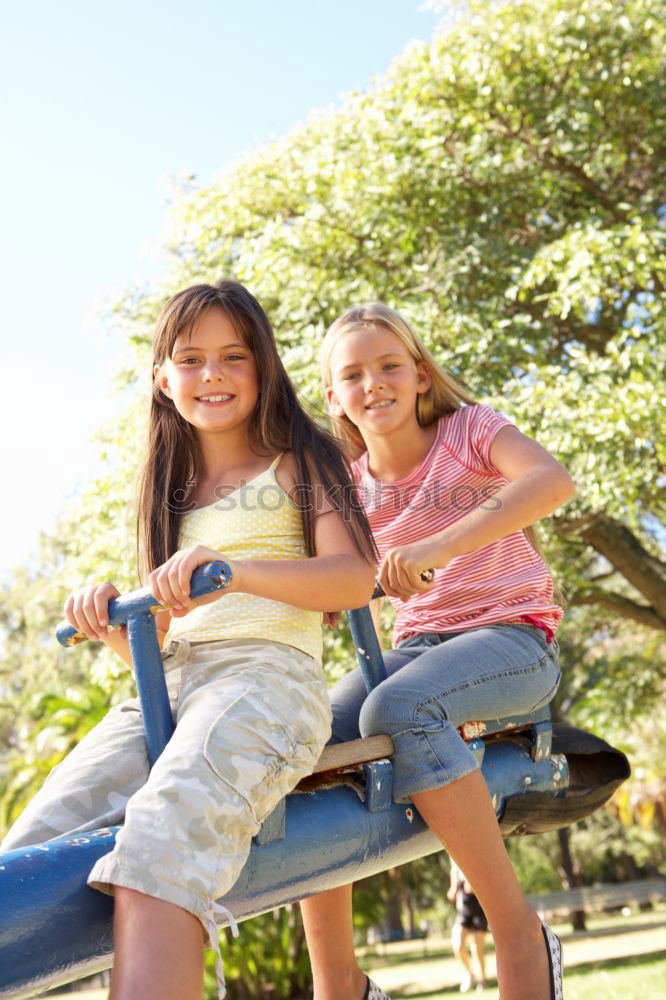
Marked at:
<point>501,182</point>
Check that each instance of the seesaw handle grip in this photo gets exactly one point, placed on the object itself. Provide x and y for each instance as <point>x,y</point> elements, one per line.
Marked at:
<point>428,575</point>
<point>205,580</point>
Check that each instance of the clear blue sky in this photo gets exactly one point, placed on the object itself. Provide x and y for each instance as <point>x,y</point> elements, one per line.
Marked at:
<point>98,105</point>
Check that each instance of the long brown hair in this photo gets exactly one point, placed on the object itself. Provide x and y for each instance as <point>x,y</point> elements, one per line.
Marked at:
<point>444,396</point>
<point>277,424</point>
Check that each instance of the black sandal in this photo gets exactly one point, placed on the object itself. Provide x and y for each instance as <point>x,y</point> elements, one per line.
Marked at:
<point>554,952</point>
<point>373,992</point>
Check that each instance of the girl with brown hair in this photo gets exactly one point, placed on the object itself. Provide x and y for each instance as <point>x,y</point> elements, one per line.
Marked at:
<point>235,470</point>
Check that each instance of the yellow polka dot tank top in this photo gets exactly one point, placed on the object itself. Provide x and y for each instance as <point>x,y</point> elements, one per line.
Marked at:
<point>257,521</point>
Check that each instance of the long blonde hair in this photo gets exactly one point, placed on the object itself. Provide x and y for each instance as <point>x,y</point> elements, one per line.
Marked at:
<point>445,394</point>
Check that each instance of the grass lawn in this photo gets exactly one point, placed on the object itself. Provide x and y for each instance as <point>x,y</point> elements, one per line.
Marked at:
<point>617,958</point>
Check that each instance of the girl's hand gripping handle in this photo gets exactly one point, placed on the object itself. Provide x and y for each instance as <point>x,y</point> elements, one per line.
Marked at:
<point>331,618</point>
<point>205,580</point>
<point>428,575</point>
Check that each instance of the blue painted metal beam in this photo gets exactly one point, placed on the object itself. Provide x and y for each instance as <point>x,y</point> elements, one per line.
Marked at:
<point>137,611</point>
<point>54,929</point>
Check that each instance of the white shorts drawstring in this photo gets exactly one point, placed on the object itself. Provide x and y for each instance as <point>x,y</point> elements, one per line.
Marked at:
<point>210,922</point>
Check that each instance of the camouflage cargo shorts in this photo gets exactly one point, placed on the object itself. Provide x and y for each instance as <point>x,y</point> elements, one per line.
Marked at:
<point>252,719</point>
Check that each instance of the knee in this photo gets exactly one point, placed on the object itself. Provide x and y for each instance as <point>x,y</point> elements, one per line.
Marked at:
<point>393,708</point>
<point>385,711</point>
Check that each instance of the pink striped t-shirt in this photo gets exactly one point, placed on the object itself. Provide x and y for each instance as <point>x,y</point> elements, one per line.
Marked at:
<point>505,581</point>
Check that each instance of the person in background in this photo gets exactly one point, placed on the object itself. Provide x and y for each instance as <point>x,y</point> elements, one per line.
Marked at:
<point>468,936</point>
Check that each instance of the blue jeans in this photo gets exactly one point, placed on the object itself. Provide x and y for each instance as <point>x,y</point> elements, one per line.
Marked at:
<point>436,681</point>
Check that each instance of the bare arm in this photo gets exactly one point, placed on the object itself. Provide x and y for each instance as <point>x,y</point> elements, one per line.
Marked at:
<point>324,583</point>
<point>537,485</point>
<point>337,578</point>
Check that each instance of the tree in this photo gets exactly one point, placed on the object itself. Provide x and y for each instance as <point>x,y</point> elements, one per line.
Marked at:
<point>504,187</point>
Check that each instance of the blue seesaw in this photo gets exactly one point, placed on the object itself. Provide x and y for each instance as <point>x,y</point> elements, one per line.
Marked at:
<point>339,825</point>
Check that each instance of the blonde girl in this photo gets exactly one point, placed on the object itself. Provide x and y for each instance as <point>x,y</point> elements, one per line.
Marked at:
<point>451,485</point>
<point>234,470</point>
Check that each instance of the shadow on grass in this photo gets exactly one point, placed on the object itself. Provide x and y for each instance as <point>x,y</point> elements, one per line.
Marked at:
<point>389,960</point>
<point>584,969</point>
<point>404,958</point>
<point>612,964</point>
<point>423,994</point>
<point>611,931</point>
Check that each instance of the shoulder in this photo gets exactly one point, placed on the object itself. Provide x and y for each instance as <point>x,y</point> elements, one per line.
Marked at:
<point>286,472</point>
<point>289,478</point>
<point>474,415</point>
<point>476,421</point>
<point>469,433</point>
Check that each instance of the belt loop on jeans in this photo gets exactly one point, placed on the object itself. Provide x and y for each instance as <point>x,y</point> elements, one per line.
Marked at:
<point>179,649</point>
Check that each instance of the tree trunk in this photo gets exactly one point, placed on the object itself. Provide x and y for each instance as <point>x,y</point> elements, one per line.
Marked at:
<point>394,923</point>
<point>629,557</point>
<point>570,875</point>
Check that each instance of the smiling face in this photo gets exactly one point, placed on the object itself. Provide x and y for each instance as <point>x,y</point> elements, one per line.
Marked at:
<point>211,375</point>
<point>375,380</point>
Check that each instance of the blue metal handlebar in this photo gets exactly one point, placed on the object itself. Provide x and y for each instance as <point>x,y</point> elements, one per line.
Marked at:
<point>205,580</point>
<point>368,652</point>
<point>137,610</point>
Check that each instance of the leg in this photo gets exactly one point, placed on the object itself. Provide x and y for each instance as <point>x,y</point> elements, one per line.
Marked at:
<point>459,942</point>
<point>158,950</point>
<point>480,674</point>
<point>478,850</point>
<point>479,942</point>
<point>327,917</point>
<point>457,939</point>
<point>247,732</point>
<point>502,670</point>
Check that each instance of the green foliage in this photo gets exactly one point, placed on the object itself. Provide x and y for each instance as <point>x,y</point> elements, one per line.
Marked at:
<point>268,959</point>
<point>605,850</point>
<point>608,676</point>
<point>57,723</point>
<point>504,188</point>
